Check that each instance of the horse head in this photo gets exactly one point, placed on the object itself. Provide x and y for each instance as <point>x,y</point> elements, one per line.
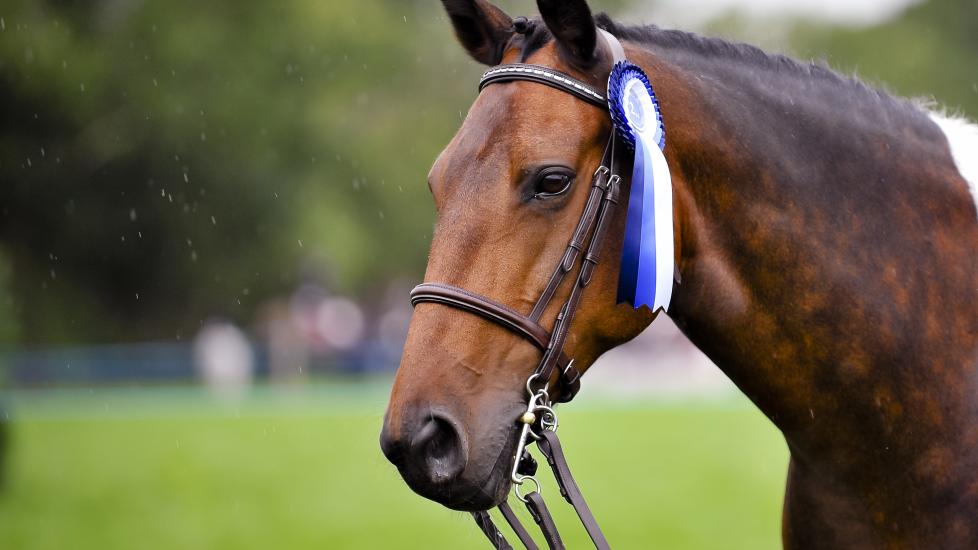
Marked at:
<point>509,189</point>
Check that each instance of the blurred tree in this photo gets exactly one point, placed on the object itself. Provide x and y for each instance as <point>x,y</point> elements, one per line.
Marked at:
<point>161,162</point>
<point>930,51</point>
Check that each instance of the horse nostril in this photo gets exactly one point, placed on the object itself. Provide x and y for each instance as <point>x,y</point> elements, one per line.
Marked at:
<point>438,446</point>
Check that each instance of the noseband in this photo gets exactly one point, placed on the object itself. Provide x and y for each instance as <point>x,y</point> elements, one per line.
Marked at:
<point>539,422</point>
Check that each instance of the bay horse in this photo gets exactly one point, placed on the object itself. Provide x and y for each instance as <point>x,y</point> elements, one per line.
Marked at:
<point>825,246</point>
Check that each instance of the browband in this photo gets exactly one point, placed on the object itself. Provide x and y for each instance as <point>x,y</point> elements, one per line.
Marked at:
<point>544,75</point>
<point>554,78</point>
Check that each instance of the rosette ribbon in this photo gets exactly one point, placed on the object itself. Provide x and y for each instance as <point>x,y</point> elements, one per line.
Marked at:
<point>647,260</point>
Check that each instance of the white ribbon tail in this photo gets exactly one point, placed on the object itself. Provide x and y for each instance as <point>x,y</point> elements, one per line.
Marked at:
<point>664,245</point>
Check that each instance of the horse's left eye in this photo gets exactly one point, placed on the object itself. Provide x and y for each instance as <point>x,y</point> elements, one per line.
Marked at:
<point>551,183</point>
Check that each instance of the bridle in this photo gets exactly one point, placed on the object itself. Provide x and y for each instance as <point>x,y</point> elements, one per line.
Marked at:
<point>539,422</point>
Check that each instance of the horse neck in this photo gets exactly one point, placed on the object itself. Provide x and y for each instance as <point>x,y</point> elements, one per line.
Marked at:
<point>796,281</point>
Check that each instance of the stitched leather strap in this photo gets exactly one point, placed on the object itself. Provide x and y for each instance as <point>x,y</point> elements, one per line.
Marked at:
<point>491,310</point>
<point>514,523</point>
<point>484,521</point>
<point>547,76</point>
<point>549,445</point>
<point>483,307</point>
<point>541,515</point>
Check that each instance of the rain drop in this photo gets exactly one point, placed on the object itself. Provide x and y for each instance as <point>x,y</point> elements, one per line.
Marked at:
<point>132,214</point>
<point>213,220</point>
<point>300,243</point>
<point>82,86</point>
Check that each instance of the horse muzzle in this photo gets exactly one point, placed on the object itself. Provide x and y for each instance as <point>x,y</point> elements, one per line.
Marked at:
<point>432,453</point>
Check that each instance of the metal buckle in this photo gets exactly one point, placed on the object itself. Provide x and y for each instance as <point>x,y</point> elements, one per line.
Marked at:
<point>538,411</point>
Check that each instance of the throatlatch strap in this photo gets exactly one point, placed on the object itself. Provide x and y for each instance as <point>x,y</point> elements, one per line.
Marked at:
<point>492,532</point>
<point>514,523</point>
<point>541,515</point>
<point>549,445</point>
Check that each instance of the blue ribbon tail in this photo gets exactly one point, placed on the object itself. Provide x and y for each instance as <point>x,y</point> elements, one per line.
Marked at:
<point>636,281</point>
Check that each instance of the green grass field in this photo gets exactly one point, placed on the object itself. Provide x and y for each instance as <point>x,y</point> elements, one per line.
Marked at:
<point>170,468</point>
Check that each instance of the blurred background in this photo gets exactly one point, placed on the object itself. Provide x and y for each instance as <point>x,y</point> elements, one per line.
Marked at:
<point>210,217</point>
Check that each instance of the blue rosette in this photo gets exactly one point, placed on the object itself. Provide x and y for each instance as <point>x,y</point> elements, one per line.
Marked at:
<point>647,263</point>
<point>621,74</point>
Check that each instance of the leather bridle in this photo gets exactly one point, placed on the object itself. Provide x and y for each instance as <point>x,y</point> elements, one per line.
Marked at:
<point>539,422</point>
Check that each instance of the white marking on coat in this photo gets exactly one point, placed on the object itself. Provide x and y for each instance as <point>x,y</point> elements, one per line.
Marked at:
<point>962,136</point>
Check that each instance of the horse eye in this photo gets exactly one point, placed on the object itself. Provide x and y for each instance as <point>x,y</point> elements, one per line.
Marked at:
<point>552,183</point>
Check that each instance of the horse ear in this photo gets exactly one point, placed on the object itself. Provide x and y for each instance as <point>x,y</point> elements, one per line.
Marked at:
<point>482,28</point>
<point>573,27</point>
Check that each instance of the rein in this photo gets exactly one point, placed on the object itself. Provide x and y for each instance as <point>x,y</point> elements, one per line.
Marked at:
<point>539,421</point>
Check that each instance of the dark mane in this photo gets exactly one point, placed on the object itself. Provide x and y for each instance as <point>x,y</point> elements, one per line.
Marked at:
<point>777,78</point>
<point>744,53</point>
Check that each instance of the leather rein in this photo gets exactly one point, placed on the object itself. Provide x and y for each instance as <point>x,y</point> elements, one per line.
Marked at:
<point>539,422</point>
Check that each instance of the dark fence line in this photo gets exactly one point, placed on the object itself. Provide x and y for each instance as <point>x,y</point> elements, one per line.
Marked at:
<point>161,362</point>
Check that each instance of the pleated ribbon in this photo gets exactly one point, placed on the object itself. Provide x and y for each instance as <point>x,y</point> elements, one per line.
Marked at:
<point>647,261</point>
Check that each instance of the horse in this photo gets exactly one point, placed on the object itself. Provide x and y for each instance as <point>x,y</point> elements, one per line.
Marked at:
<point>825,238</point>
